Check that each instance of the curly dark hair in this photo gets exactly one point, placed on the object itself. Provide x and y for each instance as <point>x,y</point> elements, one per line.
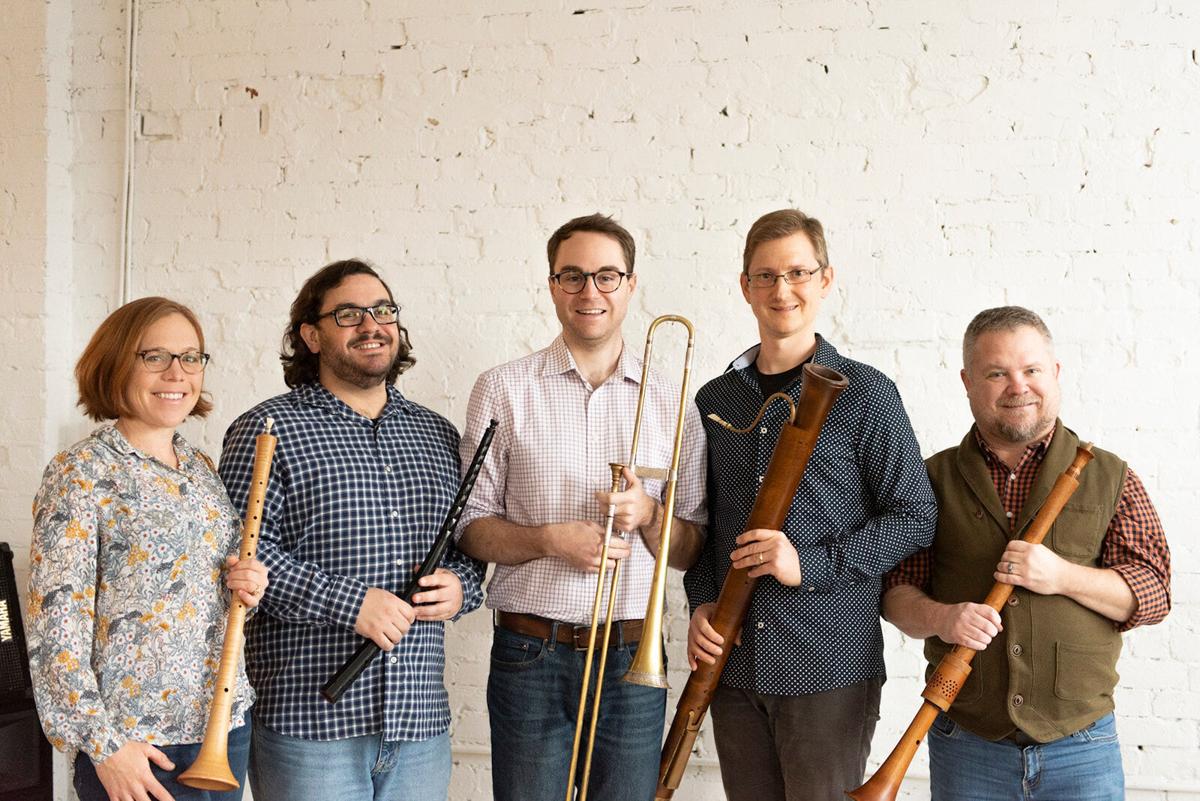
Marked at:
<point>301,365</point>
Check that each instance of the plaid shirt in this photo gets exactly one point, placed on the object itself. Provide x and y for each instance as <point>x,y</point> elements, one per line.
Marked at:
<point>351,503</point>
<point>1134,545</point>
<point>556,438</point>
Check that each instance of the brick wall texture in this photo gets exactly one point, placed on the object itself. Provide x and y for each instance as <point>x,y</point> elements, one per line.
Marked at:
<point>961,155</point>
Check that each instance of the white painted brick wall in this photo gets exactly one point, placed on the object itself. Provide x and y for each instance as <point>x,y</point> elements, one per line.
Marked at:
<point>962,155</point>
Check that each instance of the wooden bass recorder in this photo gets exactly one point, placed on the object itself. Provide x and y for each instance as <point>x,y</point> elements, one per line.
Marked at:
<point>211,770</point>
<point>821,387</point>
<point>951,673</point>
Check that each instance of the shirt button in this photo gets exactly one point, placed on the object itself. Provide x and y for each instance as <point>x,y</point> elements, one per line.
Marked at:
<point>1008,515</point>
<point>760,478</point>
<point>1017,649</point>
<point>1013,600</point>
<point>393,660</point>
<point>399,563</point>
<point>396,513</point>
<point>1012,476</point>
<point>387,468</point>
<point>760,625</point>
<point>1018,699</point>
<point>812,589</point>
<point>762,430</point>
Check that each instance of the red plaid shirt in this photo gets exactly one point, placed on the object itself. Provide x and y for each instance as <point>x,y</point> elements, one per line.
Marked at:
<point>1134,545</point>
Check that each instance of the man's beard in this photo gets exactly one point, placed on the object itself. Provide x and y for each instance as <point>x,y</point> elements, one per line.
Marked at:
<point>345,369</point>
<point>1017,433</point>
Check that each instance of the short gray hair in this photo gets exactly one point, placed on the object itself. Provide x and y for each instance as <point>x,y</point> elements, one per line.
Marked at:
<point>1001,318</point>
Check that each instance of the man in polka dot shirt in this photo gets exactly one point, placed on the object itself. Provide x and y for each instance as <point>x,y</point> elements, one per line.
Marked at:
<point>1037,708</point>
<point>798,700</point>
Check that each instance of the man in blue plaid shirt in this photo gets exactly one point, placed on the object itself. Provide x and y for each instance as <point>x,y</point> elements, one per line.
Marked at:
<point>361,480</point>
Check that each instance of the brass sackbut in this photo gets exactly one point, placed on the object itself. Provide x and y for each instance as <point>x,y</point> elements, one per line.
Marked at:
<point>648,665</point>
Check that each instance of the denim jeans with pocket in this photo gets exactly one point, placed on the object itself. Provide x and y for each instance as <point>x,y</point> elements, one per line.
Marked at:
<point>1083,765</point>
<point>284,768</point>
<point>533,695</point>
<point>89,788</point>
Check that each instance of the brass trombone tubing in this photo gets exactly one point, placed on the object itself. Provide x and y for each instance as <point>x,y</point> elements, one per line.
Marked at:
<point>591,648</point>
<point>642,670</point>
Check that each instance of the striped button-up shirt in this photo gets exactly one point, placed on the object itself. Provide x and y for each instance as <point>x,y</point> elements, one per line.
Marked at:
<point>550,455</point>
<point>863,505</point>
<point>351,503</point>
<point>1135,545</point>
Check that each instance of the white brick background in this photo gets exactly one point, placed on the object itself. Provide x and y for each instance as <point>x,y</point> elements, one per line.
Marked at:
<point>962,155</point>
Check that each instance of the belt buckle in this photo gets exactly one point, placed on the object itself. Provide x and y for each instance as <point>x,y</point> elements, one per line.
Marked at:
<point>580,635</point>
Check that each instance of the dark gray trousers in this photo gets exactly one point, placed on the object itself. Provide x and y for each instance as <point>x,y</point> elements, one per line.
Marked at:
<point>794,748</point>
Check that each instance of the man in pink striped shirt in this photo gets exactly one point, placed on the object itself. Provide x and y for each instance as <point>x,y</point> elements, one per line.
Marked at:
<point>565,413</point>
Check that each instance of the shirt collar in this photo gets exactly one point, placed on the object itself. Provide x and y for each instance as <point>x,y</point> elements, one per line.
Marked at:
<point>110,435</point>
<point>825,354</point>
<point>559,360</point>
<point>1035,451</point>
<point>316,394</point>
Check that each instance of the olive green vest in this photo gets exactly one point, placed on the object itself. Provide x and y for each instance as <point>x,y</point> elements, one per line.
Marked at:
<point>1052,670</point>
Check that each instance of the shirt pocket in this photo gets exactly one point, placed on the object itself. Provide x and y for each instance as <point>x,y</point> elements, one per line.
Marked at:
<point>1078,533</point>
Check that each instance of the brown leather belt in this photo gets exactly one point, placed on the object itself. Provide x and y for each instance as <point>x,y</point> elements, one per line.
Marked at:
<point>628,631</point>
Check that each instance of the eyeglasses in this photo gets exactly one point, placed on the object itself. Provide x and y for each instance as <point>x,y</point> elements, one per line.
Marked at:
<point>158,360</point>
<point>767,280</point>
<point>573,281</point>
<point>351,316</point>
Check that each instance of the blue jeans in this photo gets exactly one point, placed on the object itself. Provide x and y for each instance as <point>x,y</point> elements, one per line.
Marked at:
<point>533,695</point>
<point>1086,764</point>
<point>284,768</point>
<point>89,788</point>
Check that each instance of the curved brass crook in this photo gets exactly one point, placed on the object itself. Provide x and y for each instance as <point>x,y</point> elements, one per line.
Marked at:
<point>762,410</point>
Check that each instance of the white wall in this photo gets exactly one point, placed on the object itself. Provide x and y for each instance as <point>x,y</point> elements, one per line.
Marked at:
<point>962,155</point>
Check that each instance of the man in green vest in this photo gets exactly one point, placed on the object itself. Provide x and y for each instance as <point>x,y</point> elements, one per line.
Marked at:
<point>1037,710</point>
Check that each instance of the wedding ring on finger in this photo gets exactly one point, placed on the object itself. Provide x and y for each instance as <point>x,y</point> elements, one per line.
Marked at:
<point>760,559</point>
<point>1009,568</point>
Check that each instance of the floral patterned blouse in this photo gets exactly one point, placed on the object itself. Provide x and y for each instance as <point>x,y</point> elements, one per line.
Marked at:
<point>127,605</point>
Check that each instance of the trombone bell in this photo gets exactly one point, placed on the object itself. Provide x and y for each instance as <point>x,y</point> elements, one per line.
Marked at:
<point>648,668</point>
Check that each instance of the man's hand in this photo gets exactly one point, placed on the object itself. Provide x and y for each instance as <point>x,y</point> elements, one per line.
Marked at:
<point>767,553</point>
<point>972,625</point>
<point>441,596</point>
<point>1034,567</point>
<point>580,542</point>
<point>383,618</point>
<point>126,775</point>
<point>704,643</point>
<point>633,508</point>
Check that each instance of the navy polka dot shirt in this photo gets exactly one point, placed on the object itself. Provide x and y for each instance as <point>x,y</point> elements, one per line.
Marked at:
<point>864,504</point>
